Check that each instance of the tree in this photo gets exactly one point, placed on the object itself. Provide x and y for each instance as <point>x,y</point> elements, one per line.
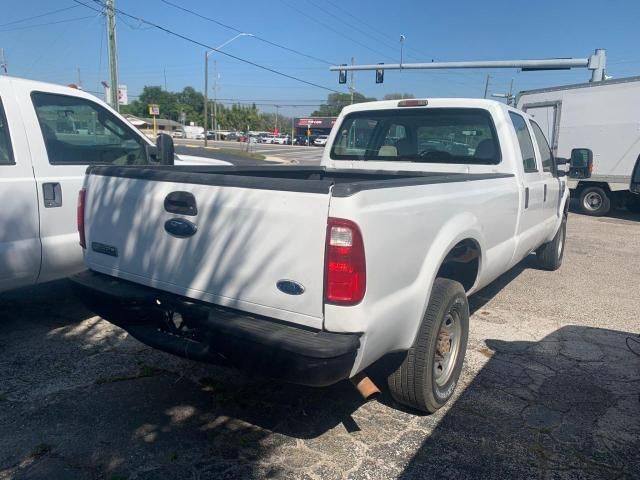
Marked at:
<point>336,101</point>
<point>398,96</point>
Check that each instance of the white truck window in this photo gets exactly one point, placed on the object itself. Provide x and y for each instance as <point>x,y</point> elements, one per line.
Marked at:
<point>6,153</point>
<point>430,135</point>
<point>525,142</point>
<point>543,146</point>
<point>79,131</point>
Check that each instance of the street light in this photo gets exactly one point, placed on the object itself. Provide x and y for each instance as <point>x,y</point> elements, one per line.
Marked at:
<point>206,86</point>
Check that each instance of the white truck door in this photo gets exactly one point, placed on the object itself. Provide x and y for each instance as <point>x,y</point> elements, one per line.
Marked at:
<point>19,241</point>
<point>531,229</point>
<point>73,133</point>
<point>551,200</point>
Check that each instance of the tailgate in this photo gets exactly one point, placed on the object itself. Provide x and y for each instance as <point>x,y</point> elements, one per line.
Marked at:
<point>246,240</point>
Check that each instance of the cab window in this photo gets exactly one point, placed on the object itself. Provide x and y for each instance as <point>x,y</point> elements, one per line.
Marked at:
<point>6,153</point>
<point>79,131</point>
<point>546,157</point>
<point>525,142</point>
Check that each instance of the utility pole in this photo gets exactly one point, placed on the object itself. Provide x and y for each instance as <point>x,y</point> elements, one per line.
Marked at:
<point>486,86</point>
<point>79,79</point>
<point>215,103</point>
<point>165,78</point>
<point>351,82</point>
<point>113,53</point>
<point>206,94</point>
<point>3,62</point>
<point>277,110</point>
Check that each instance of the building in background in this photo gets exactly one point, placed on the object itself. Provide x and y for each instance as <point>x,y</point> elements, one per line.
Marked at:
<point>316,125</point>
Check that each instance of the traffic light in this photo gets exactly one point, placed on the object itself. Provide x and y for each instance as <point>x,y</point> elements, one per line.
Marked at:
<point>380,74</point>
<point>342,77</point>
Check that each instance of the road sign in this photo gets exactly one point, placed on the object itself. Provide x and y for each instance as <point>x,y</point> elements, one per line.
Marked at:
<point>154,109</point>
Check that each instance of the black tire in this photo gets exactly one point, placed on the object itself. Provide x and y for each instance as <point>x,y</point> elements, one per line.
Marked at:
<point>594,201</point>
<point>549,255</point>
<point>415,382</point>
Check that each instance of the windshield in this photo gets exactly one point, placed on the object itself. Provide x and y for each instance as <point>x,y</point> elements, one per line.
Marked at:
<point>432,135</point>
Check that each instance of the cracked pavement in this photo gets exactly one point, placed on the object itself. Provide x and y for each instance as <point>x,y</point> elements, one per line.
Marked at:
<point>549,390</point>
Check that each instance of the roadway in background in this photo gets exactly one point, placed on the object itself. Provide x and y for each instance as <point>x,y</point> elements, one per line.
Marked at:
<point>293,154</point>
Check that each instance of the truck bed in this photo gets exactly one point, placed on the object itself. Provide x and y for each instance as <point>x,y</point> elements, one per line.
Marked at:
<point>345,182</point>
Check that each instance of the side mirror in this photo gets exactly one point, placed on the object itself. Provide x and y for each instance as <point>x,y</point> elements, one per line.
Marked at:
<point>581,164</point>
<point>165,152</point>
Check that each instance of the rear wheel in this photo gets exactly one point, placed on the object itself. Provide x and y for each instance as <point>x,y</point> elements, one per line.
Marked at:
<point>594,201</point>
<point>427,377</point>
<point>549,255</point>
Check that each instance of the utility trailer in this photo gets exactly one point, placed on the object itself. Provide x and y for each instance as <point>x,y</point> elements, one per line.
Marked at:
<point>603,117</point>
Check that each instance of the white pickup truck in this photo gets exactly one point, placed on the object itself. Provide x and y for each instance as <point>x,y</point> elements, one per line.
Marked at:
<point>312,274</point>
<point>49,134</point>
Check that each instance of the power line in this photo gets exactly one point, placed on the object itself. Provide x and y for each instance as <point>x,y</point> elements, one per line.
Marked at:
<point>328,27</point>
<point>33,17</point>
<point>46,24</point>
<point>209,47</point>
<point>257,37</point>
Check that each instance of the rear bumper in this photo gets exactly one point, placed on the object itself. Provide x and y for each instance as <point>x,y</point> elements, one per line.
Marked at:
<point>215,334</point>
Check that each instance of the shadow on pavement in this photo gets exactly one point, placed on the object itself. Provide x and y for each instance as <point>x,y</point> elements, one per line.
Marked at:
<point>566,406</point>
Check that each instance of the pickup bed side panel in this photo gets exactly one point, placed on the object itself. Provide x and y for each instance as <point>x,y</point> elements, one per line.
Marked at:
<point>247,240</point>
<point>407,233</point>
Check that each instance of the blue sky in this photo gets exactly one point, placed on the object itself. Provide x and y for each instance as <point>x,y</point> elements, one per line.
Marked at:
<point>50,48</point>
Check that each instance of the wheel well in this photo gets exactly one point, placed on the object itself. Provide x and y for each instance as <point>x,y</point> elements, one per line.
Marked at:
<point>603,185</point>
<point>462,263</point>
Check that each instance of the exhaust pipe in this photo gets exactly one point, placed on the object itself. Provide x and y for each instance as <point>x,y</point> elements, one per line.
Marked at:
<point>365,386</point>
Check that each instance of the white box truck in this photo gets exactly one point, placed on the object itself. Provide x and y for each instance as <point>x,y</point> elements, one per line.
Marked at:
<point>603,117</point>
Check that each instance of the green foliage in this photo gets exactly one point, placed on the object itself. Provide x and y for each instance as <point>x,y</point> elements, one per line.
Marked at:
<point>398,96</point>
<point>336,101</point>
<point>191,102</point>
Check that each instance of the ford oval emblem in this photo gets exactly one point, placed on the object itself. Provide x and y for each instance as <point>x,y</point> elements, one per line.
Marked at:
<point>179,227</point>
<point>290,287</point>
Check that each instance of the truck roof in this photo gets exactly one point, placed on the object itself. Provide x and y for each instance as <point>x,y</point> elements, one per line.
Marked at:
<point>573,86</point>
<point>47,87</point>
<point>431,102</point>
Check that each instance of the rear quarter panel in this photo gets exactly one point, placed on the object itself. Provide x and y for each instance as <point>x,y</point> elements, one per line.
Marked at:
<point>407,232</point>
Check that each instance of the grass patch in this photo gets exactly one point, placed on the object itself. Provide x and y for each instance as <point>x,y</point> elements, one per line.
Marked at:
<point>240,153</point>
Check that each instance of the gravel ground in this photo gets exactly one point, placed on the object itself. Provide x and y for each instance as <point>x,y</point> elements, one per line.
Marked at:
<point>549,390</point>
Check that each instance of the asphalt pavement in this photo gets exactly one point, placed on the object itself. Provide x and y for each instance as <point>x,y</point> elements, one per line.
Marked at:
<point>285,154</point>
<point>549,389</point>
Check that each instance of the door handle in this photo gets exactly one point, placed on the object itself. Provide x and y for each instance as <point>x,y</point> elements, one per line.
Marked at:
<point>545,193</point>
<point>526,197</point>
<point>52,195</point>
<point>182,203</point>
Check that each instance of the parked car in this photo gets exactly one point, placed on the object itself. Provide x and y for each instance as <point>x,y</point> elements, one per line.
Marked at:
<point>178,134</point>
<point>242,138</point>
<point>231,137</point>
<point>591,115</point>
<point>375,251</point>
<point>49,134</point>
<point>321,140</point>
<point>199,136</point>
<point>304,140</point>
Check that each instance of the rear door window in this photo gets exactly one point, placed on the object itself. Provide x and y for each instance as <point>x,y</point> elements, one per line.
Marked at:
<point>525,142</point>
<point>79,131</point>
<point>6,152</point>
<point>546,157</point>
<point>425,135</point>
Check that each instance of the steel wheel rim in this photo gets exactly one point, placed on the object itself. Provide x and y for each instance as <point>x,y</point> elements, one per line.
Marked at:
<point>592,201</point>
<point>447,347</point>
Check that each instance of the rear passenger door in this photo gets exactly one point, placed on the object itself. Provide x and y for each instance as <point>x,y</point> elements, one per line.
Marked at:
<point>19,241</point>
<point>531,230</point>
<point>69,133</point>
<point>552,186</point>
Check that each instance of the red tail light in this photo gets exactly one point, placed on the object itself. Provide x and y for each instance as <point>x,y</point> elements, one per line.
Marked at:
<point>80,217</point>
<point>345,274</point>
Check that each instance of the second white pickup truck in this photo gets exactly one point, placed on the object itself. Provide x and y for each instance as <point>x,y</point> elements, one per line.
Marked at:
<point>49,134</point>
<point>312,274</point>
